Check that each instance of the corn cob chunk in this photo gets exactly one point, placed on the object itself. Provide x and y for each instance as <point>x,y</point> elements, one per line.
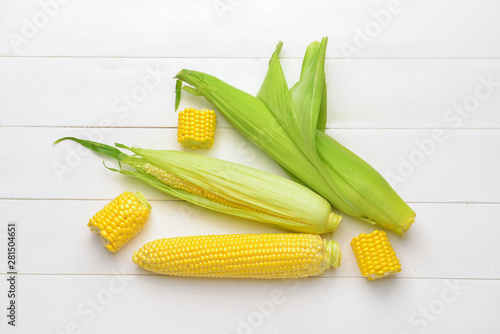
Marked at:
<point>120,220</point>
<point>375,256</point>
<point>268,256</point>
<point>196,128</point>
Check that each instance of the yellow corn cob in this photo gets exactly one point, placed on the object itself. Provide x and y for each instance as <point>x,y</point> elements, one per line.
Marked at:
<point>196,128</point>
<point>287,255</point>
<point>375,256</point>
<point>120,220</point>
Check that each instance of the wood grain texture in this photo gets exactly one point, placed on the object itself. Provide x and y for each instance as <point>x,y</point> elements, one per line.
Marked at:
<point>104,303</point>
<point>435,247</point>
<point>421,29</point>
<point>363,93</point>
<point>420,169</point>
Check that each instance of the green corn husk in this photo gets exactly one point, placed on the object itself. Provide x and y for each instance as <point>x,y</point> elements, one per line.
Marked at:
<point>289,124</point>
<point>226,187</point>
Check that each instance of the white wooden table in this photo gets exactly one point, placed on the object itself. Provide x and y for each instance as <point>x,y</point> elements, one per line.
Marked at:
<point>413,88</point>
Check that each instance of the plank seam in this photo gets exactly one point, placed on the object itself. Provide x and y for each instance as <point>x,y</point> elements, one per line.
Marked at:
<point>226,127</point>
<point>249,58</point>
<point>179,200</point>
<point>312,277</point>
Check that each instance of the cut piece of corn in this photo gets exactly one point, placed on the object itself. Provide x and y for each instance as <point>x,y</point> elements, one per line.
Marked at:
<point>226,187</point>
<point>375,256</point>
<point>120,220</point>
<point>287,255</point>
<point>196,128</point>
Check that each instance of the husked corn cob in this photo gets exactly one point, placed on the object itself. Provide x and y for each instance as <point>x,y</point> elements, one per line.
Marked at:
<point>120,220</point>
<point>375,256</point>
<point>287,255</point>
<point>196,128</point>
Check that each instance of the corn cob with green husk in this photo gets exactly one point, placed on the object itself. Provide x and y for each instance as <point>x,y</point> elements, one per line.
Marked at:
<point>268,256</point>
<point>289,125</point>
<point>225,187</point>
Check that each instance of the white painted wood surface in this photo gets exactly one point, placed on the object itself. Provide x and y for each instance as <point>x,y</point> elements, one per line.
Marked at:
<point>422,29</point>
<point>419,99</point>
<point>408,93</point>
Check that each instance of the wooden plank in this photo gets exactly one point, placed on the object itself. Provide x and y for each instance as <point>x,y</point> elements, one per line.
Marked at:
<point>121,92</point>
<point>105,303</point>
<point>421,166</point>
<point>361,29</point>
<point>446,241</point>
<point>53,238</point>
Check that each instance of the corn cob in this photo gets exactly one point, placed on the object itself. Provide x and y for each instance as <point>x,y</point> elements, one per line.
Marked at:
<point>375,256</point>
<point>287,255</point>
<point>226,187</point>
<point>289,124</point>
<point>196,128</point>
<point>120,220</point>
